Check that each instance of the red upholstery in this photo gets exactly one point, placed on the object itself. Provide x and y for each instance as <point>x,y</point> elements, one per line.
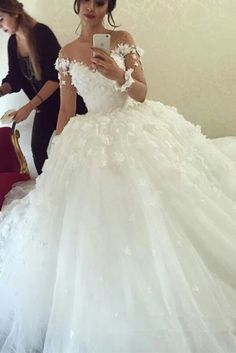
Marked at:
<point>8,158</point>
<point>10,168</point>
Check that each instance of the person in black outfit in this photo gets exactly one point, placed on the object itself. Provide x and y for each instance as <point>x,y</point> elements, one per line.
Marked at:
<point>32,52</point>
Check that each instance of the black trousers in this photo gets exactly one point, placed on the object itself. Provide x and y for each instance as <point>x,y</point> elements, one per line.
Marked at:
<point>44,124</point>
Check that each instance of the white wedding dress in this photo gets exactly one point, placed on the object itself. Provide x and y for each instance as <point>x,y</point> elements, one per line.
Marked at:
<point>127,244</point>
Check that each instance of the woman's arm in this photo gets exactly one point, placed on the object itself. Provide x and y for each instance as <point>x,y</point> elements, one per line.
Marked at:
<point>68,94</point>
<point>138,89</point>
<point>5,88</point>
<point>46,91</point>
<point>67,107</point>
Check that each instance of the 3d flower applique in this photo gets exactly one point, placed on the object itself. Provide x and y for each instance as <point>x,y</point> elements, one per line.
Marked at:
<point>62,82</point>
<point>106,139</point>
<point>124,49</point>
<point>63,65</point>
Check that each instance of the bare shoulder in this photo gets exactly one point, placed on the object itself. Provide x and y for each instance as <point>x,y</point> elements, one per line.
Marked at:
<point>122,37</point>
<point>69,49</point>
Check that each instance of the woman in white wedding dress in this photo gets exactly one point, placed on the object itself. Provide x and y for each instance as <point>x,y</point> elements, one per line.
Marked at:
<point>127,244</point>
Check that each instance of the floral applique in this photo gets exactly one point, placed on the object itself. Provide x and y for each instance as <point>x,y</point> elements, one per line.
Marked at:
<point>124,49</point>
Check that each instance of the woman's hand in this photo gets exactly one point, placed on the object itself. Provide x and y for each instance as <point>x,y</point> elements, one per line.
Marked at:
<point>22,113</point>
<point>106,65</point>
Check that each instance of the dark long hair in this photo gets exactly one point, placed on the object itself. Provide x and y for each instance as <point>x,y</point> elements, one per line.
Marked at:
<point>111,6</point>
<point>26,23</point>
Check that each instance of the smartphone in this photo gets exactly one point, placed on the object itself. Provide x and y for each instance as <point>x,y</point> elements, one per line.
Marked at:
<point>102,41</point>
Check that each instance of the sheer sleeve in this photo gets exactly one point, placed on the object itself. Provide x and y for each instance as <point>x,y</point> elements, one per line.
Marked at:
<point>63,66</point>
<point>132,54</point>
<point>129,57</point>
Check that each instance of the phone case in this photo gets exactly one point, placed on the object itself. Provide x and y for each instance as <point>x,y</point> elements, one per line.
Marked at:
<point>102,41</point>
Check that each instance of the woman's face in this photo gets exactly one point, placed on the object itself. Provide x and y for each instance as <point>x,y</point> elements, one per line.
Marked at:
<point>8,23</point>
<point>92,12</point>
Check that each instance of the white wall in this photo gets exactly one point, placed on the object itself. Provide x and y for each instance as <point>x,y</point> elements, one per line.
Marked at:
<point>190,53</point>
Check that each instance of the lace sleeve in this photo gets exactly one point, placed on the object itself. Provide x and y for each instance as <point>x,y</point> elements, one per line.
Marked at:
<point>129,57</point>
<point>63,67</point>
<point>132,53</point>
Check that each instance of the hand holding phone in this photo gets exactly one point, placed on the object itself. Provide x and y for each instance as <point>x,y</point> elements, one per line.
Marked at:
<point>102,41</point>
<point>102,61</point>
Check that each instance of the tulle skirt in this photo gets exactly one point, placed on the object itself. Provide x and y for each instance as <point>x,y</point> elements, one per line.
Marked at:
<point>127,243</point>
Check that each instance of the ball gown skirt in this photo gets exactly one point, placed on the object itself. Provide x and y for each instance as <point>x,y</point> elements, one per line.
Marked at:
<point>127,243</point>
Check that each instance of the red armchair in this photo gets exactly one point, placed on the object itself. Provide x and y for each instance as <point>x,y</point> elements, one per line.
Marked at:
<point>13,166</point>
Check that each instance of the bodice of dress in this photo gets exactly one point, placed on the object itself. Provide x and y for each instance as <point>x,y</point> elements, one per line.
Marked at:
<point>99,93</point>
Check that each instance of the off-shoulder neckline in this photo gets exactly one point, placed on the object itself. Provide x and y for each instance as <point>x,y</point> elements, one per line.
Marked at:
<point>120,49</point>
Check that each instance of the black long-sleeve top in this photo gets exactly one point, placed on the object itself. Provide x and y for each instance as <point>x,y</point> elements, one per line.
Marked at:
<point>48,49</point>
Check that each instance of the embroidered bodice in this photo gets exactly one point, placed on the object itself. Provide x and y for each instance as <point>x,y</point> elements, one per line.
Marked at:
<point>99,93</point>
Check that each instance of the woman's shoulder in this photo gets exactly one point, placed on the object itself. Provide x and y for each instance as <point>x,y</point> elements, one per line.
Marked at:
<point>122,36</point>
<point>45,38</point>
<point>42,29</point>
<point>66,56</point>
<point>68,50</point>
